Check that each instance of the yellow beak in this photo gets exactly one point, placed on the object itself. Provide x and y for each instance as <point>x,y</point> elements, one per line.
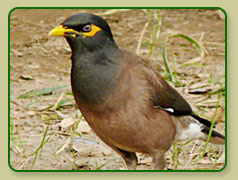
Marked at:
<point>62,31</point>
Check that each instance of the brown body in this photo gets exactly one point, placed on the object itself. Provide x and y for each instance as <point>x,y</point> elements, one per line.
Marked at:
<point>128,120</point>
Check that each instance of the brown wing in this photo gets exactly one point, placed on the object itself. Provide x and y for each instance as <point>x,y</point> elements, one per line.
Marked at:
<point>163,95</point>
<point>167,97</point>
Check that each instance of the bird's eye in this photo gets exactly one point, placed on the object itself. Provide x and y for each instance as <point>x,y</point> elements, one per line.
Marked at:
<point>86,28</point>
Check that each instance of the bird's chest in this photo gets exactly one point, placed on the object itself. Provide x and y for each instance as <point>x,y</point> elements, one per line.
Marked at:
<point>120,120</point>
<point>113,127</point>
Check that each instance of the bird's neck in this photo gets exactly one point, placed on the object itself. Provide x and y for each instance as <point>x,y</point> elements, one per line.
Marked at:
<point>94,73</point>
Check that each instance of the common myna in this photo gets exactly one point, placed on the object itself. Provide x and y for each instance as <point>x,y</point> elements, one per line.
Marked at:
<point>123,98</point>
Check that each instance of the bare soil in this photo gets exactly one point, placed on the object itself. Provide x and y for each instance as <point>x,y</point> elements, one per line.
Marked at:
<point>38,61</point>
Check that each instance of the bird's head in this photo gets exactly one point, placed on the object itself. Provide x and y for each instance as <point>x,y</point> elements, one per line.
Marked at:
<point>85,31</point>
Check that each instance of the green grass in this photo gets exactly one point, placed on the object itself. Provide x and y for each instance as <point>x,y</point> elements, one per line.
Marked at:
<point>155,24</point>
<point>198,47</point>
<point>41,92</point>
<point>210,132</point>
<point>16,138</point>
<point>44,140</point>
<point>177,149</point>
<point>73,132</point>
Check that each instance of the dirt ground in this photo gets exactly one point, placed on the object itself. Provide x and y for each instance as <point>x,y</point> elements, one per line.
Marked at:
<point>38,62</point>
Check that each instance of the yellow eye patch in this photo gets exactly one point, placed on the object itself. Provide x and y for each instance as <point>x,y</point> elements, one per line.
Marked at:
<point>93,32</point>
<point>65,31</point>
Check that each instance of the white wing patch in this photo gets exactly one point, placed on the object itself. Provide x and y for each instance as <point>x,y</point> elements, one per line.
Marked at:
<point>169,110</point>
<point>193,131</point>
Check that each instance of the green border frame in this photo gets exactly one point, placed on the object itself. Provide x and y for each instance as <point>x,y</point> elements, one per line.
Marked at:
<point>218,8</point>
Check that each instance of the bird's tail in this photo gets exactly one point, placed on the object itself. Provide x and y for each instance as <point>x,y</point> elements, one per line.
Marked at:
<point>215,138</point>
<point>201,120</point>
<point>189,129</point>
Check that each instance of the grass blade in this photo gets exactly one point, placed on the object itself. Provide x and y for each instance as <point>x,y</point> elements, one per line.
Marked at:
<point>210,131</point>
<point>41,92</point>
<point>43,142</point>
<point>197,46</point>
<point>166,62</point>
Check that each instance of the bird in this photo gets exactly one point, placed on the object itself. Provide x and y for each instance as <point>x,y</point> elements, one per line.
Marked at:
<point>123,98</point>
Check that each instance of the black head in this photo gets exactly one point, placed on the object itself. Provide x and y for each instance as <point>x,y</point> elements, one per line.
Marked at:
<point>85,31</point>
<point>78,22</point>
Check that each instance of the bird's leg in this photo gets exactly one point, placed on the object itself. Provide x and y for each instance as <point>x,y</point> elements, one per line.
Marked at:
<point>158,160</point>
<point>129,157</point>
